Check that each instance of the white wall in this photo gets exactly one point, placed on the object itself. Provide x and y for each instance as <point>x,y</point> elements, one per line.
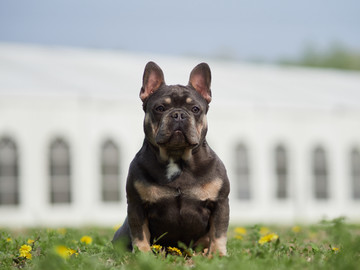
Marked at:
<point>87,96</point>
<point>86,123</point>
<point>261,130</point>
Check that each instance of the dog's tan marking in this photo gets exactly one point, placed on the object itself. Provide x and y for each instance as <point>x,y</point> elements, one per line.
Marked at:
<point>167,100</point>
<point>209,191</point>
<point>218,245</point>
<point>147,118</point>
<point>154,128</point>
<point>144,244</point>
<point>189,100</point>
<point>201,125</point>
<point>187,154</point>
<point>163,154</point>
<point>153,193</point>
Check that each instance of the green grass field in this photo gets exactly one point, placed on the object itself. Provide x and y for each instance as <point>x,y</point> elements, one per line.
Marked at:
<point>327,245</point>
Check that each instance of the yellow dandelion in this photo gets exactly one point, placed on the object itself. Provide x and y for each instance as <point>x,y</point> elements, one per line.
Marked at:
<point>240,230</point>
<point>8,239</point>
<point>61,231</point>
<point>30,241</point>
<point>156,248</point>
<point>174,251</point>
<point>62,251</point>
<point>65,252</point>
<point>336,249</point>
<point>296,229</point>
<point>25,251</point>
<point>86,239</point>
<point>116,227</point>
<point>264,230</point>
<point>239,237</point>
<point>72,251</point>
<point>28,256</point>
<point>268,238</point>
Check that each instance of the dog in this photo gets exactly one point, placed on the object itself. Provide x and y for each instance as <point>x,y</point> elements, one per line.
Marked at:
<point>177,188</point>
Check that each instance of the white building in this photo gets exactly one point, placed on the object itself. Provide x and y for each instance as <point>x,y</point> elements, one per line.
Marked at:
<point>71,122</point>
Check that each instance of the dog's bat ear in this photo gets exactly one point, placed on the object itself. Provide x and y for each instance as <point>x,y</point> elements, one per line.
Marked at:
<point>200,79</point>
<point>153,78</point>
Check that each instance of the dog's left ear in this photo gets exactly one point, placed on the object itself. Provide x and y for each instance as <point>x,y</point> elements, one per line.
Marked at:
<point>200,79</point>
<point>153,78</point>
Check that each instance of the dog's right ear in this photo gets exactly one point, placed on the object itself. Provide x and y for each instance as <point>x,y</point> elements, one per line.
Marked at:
<point>153,78</point>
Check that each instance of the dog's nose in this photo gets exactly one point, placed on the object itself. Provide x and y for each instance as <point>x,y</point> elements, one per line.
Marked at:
<point>178,115</point>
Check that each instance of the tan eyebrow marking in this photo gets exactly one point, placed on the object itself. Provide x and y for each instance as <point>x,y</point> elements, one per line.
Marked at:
<point>167,100</point>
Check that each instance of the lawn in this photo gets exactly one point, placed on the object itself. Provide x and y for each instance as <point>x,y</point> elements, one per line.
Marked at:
<point>327,245</point>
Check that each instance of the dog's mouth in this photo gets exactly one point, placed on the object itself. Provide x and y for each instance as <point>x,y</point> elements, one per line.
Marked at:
<point>176,140</point>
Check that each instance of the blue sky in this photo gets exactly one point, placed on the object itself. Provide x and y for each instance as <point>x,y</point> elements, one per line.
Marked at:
<point>261,29</point>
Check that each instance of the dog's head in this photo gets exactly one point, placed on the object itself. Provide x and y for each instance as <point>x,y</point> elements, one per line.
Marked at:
<point>175,115</point>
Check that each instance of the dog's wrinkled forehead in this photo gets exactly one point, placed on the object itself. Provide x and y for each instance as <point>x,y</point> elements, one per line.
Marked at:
<point>176,96</point>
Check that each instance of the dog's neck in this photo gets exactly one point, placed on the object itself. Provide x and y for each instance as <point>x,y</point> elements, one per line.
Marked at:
<point>175,160</point>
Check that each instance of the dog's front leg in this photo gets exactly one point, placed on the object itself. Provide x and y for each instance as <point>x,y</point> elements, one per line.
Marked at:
<point>218,227</point>
<point>138,223</point>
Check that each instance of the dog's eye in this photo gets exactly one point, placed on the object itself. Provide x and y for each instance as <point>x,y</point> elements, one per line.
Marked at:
<point>195,109</point>
<point>160,108</point>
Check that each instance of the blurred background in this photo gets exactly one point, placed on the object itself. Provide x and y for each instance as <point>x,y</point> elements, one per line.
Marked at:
<point>285,115</point>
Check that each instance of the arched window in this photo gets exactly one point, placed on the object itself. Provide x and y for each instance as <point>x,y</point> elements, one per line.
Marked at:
<point>320,173</point>
<point>242,172</point>
<point>9,173</point>
<point>355,173</point>
<point>60,172</point>
<point>281,170</point>
<point>110,170</point>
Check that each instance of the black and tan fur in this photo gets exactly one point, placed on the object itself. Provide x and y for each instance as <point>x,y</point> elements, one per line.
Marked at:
<point>176,183</point>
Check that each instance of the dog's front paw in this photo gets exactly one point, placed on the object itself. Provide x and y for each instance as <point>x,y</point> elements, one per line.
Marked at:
<point>218,246</point>
<point>143,247</point>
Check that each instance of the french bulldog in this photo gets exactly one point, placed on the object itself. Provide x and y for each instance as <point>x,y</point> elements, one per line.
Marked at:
<point>177,187</point>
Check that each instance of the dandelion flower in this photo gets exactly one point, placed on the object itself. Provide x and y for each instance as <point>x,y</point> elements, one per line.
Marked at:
<point>28,256</point>
<point>239,237</point>
<point>86,239</point>
<point>116,227</point>
<point>72,251</point>
<point>25,251</point>
<point>296,229</point>
<point>268,238</point>
<point>8,239</point>
<point>65,252</point>
<point>62,251</point>
<point>156,248</point>
<point>264,230</point>
<point>240,230</point>
<point>61,231</point>
<point>30,241</point>
<point>336,249</point>
<point>174,251</point>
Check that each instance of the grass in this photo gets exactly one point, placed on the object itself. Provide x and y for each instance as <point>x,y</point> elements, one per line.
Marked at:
<point>327,245</point>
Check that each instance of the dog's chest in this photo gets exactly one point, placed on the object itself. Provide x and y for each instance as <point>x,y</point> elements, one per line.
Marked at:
<point>180,189</point>
<point>180,210</point>
<point>172,170</point>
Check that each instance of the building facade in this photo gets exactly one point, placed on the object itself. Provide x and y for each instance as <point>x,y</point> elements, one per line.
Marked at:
<point>71,122</point>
